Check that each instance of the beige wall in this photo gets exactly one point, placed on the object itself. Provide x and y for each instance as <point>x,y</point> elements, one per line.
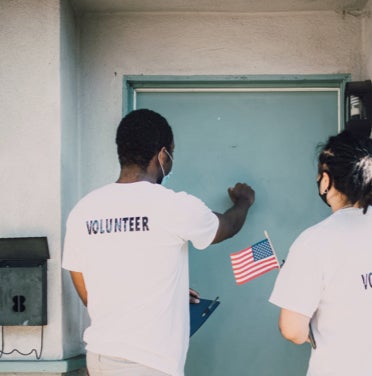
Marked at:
<point>367,42</point>
<point>30,151</point>
<point>72,310</point>
<point>197,44</point>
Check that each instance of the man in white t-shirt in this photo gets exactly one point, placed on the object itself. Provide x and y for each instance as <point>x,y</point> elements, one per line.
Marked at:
<point>126,247</point>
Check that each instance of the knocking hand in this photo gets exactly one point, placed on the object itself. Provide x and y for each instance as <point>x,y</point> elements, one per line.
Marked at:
<point>242,193</point>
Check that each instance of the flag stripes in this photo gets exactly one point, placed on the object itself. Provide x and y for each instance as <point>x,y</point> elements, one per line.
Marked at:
<point>254,261</point>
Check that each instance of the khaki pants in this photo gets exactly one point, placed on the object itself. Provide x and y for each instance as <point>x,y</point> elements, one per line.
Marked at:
<point>100,365</point>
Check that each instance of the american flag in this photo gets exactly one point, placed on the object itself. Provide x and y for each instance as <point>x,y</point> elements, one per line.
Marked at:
<point>253,261</point>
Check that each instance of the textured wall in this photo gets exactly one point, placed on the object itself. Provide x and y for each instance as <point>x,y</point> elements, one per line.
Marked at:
<point>197,44</point>
<point>30,145</point>
<point>222,43</point>
<point>367,42</point>
<point>73,319</point>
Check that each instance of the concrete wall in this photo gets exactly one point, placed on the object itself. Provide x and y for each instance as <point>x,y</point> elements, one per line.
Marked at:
<point>39,148</point>
<point>197,44</point>
<point>30,150</point>
<point>72,309</point>
<point>367,42</point>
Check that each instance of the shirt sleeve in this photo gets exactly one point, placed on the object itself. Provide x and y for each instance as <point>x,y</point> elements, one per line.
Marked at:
<point>72,258</point>
<point>298,286</point>
<point>199,224</point>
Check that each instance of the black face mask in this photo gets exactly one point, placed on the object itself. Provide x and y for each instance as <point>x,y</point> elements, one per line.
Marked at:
<point>324,195</point>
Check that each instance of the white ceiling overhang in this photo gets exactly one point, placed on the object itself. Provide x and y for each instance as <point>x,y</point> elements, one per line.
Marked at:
<point>249,6</point>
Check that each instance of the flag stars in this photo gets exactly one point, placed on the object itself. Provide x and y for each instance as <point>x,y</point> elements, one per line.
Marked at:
<point>261,250</point>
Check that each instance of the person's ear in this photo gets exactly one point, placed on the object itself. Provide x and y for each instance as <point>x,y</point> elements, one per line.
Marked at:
<point>162,155</point>
<point>325,184</point>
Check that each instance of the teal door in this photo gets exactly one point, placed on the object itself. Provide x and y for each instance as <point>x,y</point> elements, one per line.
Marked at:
<point>267,138</point>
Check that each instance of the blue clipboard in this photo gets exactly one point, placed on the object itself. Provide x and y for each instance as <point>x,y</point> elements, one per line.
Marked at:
<point>200,312</point>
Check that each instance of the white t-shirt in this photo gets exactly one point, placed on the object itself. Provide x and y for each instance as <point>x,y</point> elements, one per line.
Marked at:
<point>130,241</point>
<point>328,277</point>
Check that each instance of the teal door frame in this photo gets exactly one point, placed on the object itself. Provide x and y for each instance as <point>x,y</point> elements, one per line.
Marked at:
<point>242,83</point>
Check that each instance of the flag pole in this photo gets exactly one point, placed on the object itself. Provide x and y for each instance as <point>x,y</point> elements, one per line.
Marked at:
<point>272,247</point>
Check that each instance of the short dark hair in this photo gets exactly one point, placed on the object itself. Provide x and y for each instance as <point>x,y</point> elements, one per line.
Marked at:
<point>140,135</point>
<point>348,160</point>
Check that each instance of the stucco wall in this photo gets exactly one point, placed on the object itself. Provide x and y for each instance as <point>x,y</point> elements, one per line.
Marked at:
<point>367,41</point>
<point>197,44</point>
<point>72,309</point>
<point>30,146</point>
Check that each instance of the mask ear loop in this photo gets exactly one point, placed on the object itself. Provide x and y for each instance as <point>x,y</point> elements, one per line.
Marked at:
<point>161,166</point>
<point>170,157</point>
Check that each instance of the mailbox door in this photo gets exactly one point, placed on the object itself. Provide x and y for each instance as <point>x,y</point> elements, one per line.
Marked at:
<point>23,295</point>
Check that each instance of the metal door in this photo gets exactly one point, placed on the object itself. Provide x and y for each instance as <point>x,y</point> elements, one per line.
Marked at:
<point>265,136</point>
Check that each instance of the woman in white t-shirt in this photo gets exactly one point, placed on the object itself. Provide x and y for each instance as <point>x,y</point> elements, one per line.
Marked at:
<point>324,289</point>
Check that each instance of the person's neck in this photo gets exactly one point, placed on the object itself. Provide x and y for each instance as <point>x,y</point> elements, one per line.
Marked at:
<point>341,202</point>
<point>134,175</point>
<point>344,207</point>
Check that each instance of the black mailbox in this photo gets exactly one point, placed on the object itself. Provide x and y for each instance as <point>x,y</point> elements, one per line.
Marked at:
<point>358,107</point>
<point>23,281</point>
